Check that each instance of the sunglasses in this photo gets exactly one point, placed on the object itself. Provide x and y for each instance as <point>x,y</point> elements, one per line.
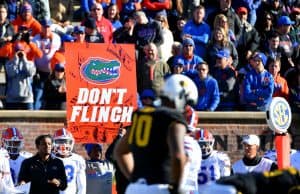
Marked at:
<point>96,9</point>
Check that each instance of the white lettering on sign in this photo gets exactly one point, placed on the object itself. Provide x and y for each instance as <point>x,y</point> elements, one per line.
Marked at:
<point>100,96</point>
<point>96,105</point>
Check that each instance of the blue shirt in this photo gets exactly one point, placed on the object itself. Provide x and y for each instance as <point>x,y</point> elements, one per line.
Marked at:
<point>208,93</point>
<point>190,64</point>
<point>200,34</point>
<point>258,90</point>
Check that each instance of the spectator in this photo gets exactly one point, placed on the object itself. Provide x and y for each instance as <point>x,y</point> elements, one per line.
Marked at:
<point>49,42</point>
<point>276,8</point>
<point>249,39</point>
<point>177,32</point>
<point>273,49</point>
<point>121,181</point>
<point>220,41</point>
<point>7,32</point>
<point>222,21</point>
<point>178,66</point>
<point>198,30</point>
<point>264,27</point>
<point>153,29</point>
<point>293,79</point>
<point>166,47</point>
<point>104,26</point>
<point>61,16</point>
<point>113,16</point>
<point>258,85</point>
<point>150,160</point>
<point>128,8</point>
<point>125,33</point>
<point>252,6</point>
<point>214,164</point>
<point>13,142</point>
<point>190,59</point>
<point>208,90</point>
<point>40,9</point>
<point>19,71</point>
<point>92,35</point>
<point>147,97</point>
<point>252,162</point>
<point>54,94</point>
<point>281,88</point>
<point>27,20</point>
<point>225,8</point>
<point>79,34</point>
<point>45,172</point>
<point>13,8</point>
<point>287,42</point>
<point>63,143</point>
<point>176,51</point>
<point>227,82</point>
<point>151,70</point>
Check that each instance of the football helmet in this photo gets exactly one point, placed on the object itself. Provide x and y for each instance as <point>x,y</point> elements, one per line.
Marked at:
<point>63,142</point>
<point>12,140</point>
<point>206,141</point>
<point>181,90</point>
<point>191,118</point>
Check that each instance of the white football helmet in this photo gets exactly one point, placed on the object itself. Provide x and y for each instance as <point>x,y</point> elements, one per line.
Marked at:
<point>181,90</point>
<point>12,140</point>
<point>206,141</point>
<point>63,142</point>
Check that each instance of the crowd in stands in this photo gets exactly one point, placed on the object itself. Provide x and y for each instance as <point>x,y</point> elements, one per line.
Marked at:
<point>239,53</point>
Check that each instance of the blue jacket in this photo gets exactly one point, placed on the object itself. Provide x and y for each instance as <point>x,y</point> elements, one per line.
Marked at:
<point>258,90</point>
<point>189,64</point>
<point>208,94</point>
<point>200,34</point>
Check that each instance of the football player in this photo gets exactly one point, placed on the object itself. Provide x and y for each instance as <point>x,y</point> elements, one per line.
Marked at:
<point>151,154</point>
<point>6,183</point>
<point>74,163</point>
<point>252,162</point>
<point>193,152</point>
<point>13,142</point>
<point>214,164</point>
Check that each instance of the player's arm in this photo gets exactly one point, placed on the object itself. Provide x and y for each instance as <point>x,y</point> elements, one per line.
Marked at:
<point>123,156</point>
<point>175,140</point>
<point>81,177</point>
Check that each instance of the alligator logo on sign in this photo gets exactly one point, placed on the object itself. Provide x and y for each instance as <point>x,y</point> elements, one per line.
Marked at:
<point>100,71</point>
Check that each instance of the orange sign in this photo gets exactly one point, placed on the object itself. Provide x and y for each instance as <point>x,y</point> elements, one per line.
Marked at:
<point>101,90</point>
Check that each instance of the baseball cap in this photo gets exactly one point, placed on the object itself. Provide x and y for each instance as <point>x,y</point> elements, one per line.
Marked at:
<point>251,140</point>
<point>262,57</point>
<point>285,21</point>
<point>188,41</point>
<point>26,8</point>
<point>46,23</point>
<point>59,67</point>
<point>178,61</point>
<point>78,29</point>
<point>148,93</point>
<point>224,53</point>
<point>242,10</point>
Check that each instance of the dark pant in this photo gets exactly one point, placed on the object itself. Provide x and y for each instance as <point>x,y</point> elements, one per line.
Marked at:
<point>19,106</point>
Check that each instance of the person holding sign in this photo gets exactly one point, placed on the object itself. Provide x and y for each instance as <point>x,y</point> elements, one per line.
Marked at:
<point>154,162</point>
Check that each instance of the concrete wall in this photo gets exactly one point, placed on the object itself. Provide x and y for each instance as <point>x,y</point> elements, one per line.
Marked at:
<point>227,127</point>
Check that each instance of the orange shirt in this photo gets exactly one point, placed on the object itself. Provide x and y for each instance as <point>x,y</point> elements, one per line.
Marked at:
<point>32,24</point>
<point>281,87</point>
<point>32,51</point>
